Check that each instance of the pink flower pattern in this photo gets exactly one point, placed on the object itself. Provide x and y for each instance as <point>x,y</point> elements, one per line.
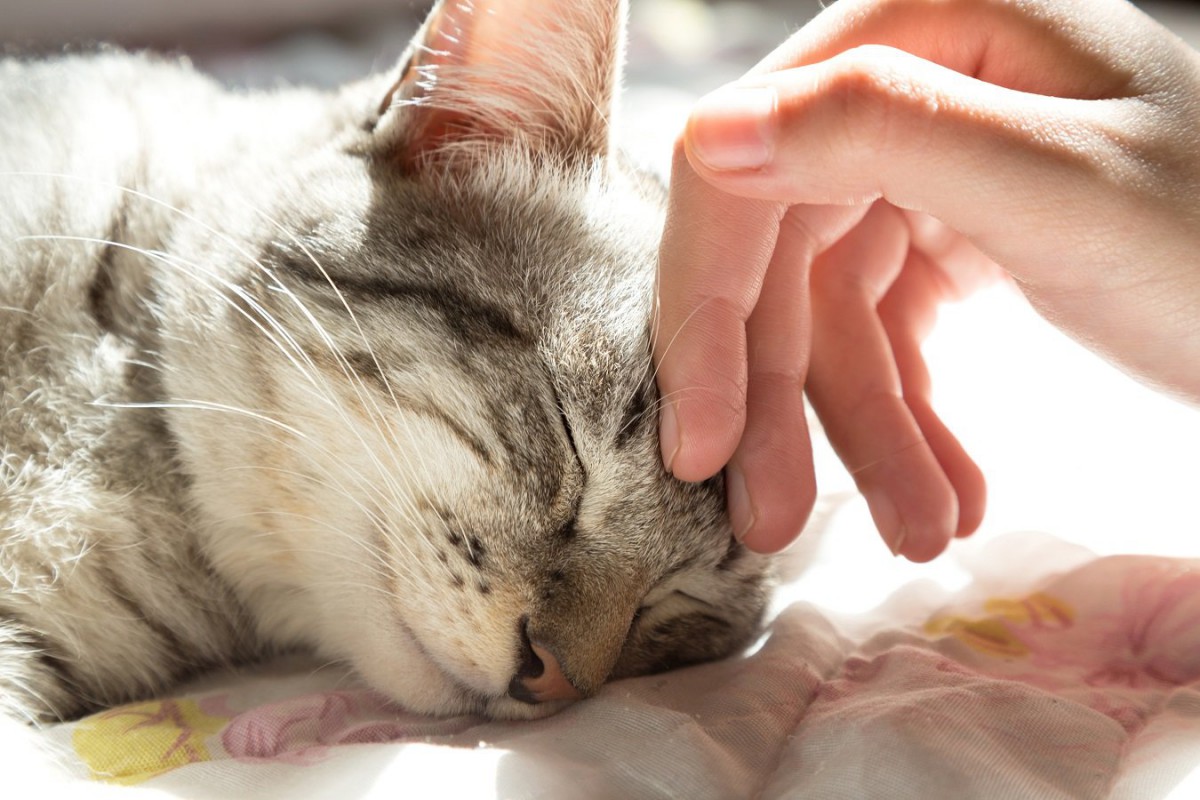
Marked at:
<point>301,730</point>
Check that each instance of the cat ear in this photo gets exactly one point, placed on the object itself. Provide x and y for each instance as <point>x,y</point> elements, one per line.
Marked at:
<point>541,73</point>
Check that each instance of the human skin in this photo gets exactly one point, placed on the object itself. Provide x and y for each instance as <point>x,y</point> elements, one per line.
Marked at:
<point>891,155</point>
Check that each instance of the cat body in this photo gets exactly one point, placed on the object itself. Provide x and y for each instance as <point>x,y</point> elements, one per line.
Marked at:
<point>363,372</point>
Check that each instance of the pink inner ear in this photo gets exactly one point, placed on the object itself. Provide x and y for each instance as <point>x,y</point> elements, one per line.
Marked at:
<point>447,44</point>
<point>538,71</point>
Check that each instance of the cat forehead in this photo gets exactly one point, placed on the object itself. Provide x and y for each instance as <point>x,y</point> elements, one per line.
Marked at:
<point>571,252</point>
<point>523,207</point>
<point>517,218</point>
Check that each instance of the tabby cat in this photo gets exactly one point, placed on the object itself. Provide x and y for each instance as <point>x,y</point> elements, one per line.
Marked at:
<point>365,373</point>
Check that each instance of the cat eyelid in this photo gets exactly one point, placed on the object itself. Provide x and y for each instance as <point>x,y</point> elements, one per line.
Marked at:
<point>566,424</point>
<point>636,411</point>
<point>697,600</point>
<point>650,605</point>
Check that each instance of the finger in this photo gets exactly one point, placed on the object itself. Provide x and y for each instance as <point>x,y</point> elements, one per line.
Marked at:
<point>771,486</point>
<point>1058,49</point>
<point>876,122</point>
<point>906,313</point>
<point>714,255</point>
<point>856,390</point>
<point>961,269</point>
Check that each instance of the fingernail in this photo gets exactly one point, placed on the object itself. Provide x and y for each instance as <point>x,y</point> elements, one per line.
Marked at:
<point>737,499</point>
<point>668,434</point>
<point>887,520</point>
<point>732,128</point>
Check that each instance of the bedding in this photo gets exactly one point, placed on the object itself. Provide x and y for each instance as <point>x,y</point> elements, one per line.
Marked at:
<point>1077,679</point>
<point>1063,664</point>
<point>1079,682</point>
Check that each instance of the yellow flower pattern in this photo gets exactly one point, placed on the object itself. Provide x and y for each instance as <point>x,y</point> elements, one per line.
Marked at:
<point>134,743</point>
<point>998,633</point>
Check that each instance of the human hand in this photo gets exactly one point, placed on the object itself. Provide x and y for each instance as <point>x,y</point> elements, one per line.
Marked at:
<point>886,158</point>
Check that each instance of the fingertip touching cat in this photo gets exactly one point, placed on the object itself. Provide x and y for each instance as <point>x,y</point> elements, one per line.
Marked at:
<point>366,373</point>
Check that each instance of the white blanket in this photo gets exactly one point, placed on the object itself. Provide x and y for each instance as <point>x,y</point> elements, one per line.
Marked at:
<point>1082,685</point>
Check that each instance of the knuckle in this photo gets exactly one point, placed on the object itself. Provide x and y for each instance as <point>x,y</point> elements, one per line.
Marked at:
<point>865,91</point>
<point>781,385</point>
<point>872,91</point>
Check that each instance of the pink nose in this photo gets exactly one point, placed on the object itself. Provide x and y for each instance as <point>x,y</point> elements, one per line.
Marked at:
<point>539,677</point>
<point>551,684</point>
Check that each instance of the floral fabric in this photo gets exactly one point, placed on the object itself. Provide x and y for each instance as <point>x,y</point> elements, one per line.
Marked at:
<point>1082,683</point>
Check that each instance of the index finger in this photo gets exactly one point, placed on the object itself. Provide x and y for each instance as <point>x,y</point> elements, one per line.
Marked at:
<point>712,262</point>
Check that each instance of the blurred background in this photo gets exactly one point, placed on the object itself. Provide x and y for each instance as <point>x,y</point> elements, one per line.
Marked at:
<point>324,42</point>
<point>694,40</point>
<point>678,49</point>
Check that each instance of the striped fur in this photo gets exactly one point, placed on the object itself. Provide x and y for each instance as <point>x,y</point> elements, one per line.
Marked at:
<point>365,373</point>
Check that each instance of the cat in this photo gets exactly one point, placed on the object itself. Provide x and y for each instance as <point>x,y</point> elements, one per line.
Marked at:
<point>365,372</point>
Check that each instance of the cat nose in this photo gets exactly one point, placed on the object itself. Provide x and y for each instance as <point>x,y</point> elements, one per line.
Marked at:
<point>539,676</point>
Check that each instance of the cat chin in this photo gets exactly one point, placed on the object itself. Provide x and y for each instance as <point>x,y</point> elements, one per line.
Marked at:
<point>404,671</point>
<point>397,666</point>
<point>425,689</point>
<point>506,708</point>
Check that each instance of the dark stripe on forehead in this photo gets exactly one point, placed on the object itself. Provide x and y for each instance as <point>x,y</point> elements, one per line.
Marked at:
<point>102,299</point>
<point>469,318</point>
<point>366,365</point>
<point>368,368</point>
<point>473,442</point>
<point>634,415</point>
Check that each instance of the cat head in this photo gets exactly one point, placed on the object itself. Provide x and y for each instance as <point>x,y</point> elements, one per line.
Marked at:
<point>457,480</point>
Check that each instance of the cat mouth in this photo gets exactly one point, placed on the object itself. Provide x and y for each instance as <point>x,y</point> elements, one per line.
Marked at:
<point>538,686</point>
<point>490,703</point>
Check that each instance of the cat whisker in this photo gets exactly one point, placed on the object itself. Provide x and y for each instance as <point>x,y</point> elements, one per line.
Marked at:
<point>349,373</point>
<point>174,261</point>
<point>385,434</point>
<point>294,352</point>
<point>372,517</point>
<point>204,405</point>
<point>370,487</point>
<point>381,497</point>
<point>654,332</point>
<point>131,192</point>
<point>333,663</point>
